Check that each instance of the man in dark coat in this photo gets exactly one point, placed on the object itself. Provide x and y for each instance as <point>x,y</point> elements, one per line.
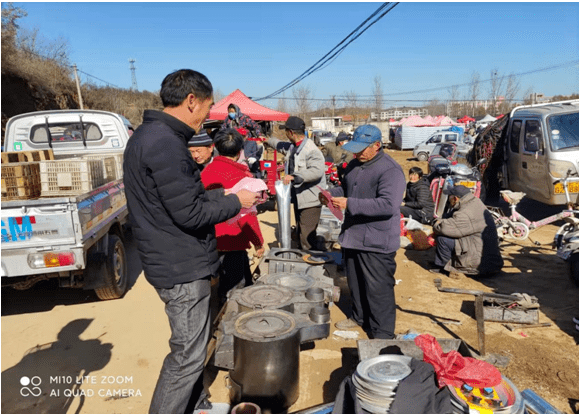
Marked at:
<point>466,238</point>
<point>371,195</point>
<point>173,221</point>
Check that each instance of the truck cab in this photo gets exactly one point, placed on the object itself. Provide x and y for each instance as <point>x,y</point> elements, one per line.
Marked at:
<point>423,150</point>
<point>541,149</point>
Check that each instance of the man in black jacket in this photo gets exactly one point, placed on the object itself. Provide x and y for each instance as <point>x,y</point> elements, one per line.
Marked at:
<point>173,220</point>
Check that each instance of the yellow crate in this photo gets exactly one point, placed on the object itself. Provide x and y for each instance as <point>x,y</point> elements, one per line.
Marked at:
<point>69,177</point>
<point>27,156</point>
<point>20,180</point>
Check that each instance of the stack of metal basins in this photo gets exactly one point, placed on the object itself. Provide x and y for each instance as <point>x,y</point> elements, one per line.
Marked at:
<point>376,380</point>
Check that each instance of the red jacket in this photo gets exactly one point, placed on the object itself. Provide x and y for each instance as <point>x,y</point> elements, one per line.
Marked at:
<point>225,173</point>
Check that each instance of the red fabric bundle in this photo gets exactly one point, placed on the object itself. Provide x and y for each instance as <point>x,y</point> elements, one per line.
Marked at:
<point>455,370</point>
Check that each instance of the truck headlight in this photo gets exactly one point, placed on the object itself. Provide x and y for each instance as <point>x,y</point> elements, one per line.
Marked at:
<point>52,259</point>
<point>559,168</point>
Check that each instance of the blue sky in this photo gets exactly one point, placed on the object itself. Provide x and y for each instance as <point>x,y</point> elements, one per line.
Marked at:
<point>259,47</point>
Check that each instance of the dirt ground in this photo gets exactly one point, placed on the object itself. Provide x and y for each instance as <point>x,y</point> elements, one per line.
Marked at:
<point>64,351</point>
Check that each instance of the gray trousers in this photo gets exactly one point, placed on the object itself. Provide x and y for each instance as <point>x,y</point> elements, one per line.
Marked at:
<point>307,220</point>
<point>187,306</point>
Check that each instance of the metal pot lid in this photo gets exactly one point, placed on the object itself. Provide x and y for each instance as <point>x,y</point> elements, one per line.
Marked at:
<point>384,368</point>
<point>262,325</point>
<point>287,254</point>
<point>265,296</point>
<point>295,281</point>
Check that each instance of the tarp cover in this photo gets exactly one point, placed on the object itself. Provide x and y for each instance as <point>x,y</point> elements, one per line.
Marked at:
<point>252,109</point>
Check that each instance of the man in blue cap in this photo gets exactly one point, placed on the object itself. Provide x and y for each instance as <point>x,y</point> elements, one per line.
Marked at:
<point>370,194</point>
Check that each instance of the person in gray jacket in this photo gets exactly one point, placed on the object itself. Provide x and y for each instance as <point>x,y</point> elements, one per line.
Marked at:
<point>466,239</point>
<point>305,169</point>
<point>371,195</point>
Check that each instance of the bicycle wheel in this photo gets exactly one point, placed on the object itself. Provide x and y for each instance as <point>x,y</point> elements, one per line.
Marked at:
<point>518,230</point>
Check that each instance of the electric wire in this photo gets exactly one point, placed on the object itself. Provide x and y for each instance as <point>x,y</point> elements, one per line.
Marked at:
<point>326,58</point>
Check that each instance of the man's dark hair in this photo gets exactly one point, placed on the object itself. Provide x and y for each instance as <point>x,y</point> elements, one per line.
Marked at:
<point>176,86</point>
<point>228,142</point>
<point>417,170</point>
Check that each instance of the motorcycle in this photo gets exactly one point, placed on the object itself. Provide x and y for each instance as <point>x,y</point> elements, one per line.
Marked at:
<point>446,172</point>
<point>332,174</point>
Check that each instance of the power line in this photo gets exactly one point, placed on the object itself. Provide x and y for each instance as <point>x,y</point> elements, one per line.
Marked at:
<point>331,55</point>
<point>549,68</point>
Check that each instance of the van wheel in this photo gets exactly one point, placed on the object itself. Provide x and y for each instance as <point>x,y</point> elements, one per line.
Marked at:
<point>116,271</point>
<point>422,157</point>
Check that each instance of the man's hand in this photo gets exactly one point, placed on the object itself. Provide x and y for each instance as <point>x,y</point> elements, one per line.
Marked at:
<point>339,202</point>
<point>287,179</point>
<point>247,198</point>
<point>259,252</point>
<point>323,199</point>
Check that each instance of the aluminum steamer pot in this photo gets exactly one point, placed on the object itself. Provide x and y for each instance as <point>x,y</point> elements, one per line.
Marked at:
<point>266,356</point>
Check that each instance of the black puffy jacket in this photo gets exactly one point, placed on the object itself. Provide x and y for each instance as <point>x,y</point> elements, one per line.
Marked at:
<point>173,217</point>
<point>418,196</point>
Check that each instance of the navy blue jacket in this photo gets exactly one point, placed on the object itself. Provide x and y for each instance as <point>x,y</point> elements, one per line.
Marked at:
<point>173,217</point>
<point>374,192</point>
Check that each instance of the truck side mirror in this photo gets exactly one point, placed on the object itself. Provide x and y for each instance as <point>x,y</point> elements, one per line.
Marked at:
<point>532,143</point>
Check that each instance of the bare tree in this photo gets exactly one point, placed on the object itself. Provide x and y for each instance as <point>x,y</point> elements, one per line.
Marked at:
<point>10,27</point>
<point>377,93</point>
<point>496,82</point>
<point>435,107</point>
<point>454,93</point>
<point>352,104</point>
<point>511,90</point>
<point>526,97</point>
<point>281,104</point>
<point>474,89</point>
<point>302,95</point>
<point>218,95</point>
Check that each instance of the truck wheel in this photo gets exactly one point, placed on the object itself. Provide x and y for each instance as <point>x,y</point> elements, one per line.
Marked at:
<point>422,157</point>
<point>116,271</point>
<point>574,268</point>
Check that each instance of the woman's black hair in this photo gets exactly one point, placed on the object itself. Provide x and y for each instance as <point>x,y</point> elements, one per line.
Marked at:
<point>228,142</point>
<point>416,169</point>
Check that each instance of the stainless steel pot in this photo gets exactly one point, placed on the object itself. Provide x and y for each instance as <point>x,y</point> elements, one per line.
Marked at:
<point>266,356</point>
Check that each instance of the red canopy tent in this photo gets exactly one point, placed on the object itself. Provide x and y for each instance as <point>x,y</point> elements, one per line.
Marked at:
<point>253,110</point>
<point>465,119</point>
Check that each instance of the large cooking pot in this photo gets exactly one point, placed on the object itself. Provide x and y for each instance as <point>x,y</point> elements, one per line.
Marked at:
<point>266,354</point>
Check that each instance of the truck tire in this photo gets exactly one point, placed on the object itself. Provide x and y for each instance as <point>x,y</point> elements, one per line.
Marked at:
<point>422,157</point>
<point>116,271</point>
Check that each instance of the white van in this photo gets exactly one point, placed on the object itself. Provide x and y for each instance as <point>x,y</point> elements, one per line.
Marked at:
<point>542,148</point>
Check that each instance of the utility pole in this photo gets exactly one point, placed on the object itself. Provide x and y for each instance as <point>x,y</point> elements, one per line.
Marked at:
<point>78,87</point>
<point>133,77</point>
<point>333,103</point>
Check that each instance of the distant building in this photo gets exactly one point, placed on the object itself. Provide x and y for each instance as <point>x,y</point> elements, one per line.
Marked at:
<point>332,124</point>
<point>395,114</point>
<point>539,98</point>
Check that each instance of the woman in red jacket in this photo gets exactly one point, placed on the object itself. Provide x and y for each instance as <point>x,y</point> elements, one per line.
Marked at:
<point>234,238</point>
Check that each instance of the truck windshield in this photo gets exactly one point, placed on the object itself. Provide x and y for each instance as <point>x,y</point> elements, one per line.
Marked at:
<point>564,131</point>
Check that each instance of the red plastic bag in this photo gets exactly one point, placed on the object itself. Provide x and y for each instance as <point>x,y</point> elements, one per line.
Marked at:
<point>402,230</point>
<point>455,370</point>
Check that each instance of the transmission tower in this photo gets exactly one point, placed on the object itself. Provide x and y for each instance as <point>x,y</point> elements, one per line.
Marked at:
<point>133,77</point>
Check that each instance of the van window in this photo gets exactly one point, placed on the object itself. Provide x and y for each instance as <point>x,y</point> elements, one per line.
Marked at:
<point>515,135</point>
<point>436,139</point>
<point>65,132</point>
<point>564,131</point>
<point>533,136</point>
<point>450,138</point>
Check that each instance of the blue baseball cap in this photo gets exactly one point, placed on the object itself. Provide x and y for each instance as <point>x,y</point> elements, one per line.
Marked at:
<point>363,136</point>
